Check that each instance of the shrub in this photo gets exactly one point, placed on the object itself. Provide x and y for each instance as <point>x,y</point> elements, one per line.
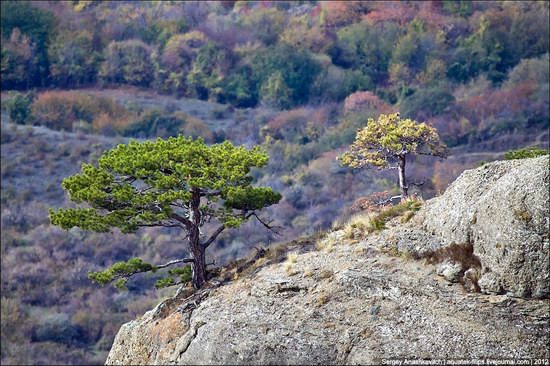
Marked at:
<point>406,209</point>
<point>18,107</point>
<point>530,152</point>
<point>155,123</point>
<point>426,103</point>
<point>217,113</point>
<point>128,62</point>
<point>195,127</point>
<point>60,110</point>
<point>288,125</point>
<point>365,100</point>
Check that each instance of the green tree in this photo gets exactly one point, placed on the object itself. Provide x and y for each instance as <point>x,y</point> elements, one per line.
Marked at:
<point>240,88</point>
<point>275,92</point>
<point>35,23</point>
<point>18,107</point>
<point>177,60</point>
<point>73,60</point>
<point>180,183</point>
<point>386,143</point>
<point>129,62</point>
<point>205,79</point>
<point>18,61</point>
<point>297,68</point>
<point>367,48</point>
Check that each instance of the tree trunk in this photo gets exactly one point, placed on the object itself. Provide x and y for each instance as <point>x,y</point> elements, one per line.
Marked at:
<point>402,178</point>
<point>199,259</point>
<point>195,247</point>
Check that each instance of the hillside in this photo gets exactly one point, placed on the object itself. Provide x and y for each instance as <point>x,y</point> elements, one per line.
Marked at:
<point>355,298</point>
<point>35,159</point>
<point>296,78</point>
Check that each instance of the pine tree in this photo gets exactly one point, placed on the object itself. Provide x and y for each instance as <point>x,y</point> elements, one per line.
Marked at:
<point>386,143</point>
<point>179,182</point>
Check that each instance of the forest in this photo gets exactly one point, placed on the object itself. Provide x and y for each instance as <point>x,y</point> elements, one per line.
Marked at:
<point>296,77</point>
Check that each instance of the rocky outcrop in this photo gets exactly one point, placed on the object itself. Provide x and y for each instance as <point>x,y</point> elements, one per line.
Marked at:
<point>503,210</point>
<point>358,302</point>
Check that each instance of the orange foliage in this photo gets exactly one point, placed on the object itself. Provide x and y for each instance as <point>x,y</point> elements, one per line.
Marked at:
<point>287,122</point>
<point>337,13</point>
<point>59,110</point>
<point>492,104</point>
<point>195,127</point>
<point>365,100</point>
<point>370,203</point>
<point>396,11</point>
<point>303,124</point>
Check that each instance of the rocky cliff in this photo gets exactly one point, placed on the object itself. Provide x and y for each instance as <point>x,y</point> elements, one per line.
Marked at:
<point>466,278</point>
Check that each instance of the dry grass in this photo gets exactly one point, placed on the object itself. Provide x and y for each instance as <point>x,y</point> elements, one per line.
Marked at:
<point>326,244</point>
<point>324,274</point>
<point>292,257</point>
<point>322,299</point>
<point>290,262</point>
<point>406,209</point>
<point>365,223</point>
<point>523,215</point>
<point>290,269</point>
<point>357,224</point>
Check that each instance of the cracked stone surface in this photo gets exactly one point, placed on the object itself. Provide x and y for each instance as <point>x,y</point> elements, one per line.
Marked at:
<point>352,303</point>
<point>503,209</point>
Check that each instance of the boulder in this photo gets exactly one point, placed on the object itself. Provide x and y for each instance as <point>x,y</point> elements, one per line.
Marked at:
<point>503,209</point>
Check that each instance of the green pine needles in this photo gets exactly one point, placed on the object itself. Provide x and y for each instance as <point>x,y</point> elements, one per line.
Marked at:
<point>181,183</point>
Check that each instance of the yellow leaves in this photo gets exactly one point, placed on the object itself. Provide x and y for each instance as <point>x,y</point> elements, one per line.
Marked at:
<point>383,141</point>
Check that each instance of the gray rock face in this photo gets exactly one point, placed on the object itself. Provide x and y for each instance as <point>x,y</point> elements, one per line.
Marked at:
<point>503,209</point>
<point>357,303</point>
<point>350,305</point>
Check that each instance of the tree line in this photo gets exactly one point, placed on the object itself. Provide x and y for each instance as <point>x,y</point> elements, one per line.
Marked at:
<point>280,54</point>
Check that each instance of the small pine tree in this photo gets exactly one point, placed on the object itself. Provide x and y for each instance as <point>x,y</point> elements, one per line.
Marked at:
<point>386,143</point>
<point>179,182</point>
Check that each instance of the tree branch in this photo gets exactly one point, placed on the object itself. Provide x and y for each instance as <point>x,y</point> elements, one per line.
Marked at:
<point>213,237</point>
<point>383,202</point>
<point>188,224</point>
<point>153,268</point>
<point>418,184</point>
<point>266,224</point>
<point>259,253</point>
<point>442,154</point>
<point>156,224</point>
<point>208,193</point>
<point>175,261</point>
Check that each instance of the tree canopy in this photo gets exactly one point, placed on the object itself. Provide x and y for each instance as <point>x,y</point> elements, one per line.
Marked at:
<point>386,142</point>
<point>179,182</point>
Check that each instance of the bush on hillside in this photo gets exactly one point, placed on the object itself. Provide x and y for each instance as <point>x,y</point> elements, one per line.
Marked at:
<point>18,107</point>
<point>60,110</point>
<point>529,152</point>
